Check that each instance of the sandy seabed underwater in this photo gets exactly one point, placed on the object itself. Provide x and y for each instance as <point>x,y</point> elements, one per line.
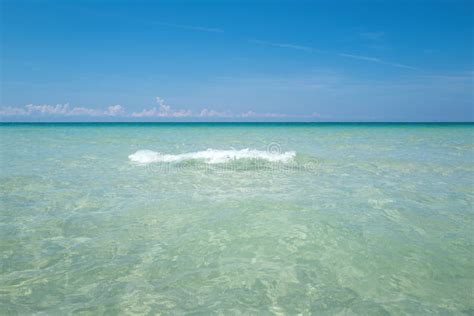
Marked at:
<point>237,219</point>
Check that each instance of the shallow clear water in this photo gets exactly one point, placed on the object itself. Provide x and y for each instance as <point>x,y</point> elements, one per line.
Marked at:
<point>360,219</point>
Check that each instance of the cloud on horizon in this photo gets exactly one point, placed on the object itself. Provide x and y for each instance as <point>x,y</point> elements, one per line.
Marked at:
<point>162,111</point>
<point>60,110</point>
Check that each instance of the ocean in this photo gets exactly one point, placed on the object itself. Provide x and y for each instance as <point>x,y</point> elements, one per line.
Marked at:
<point>197,218</point>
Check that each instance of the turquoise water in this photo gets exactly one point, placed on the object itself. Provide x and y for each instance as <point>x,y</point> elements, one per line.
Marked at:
<point>311,219</point>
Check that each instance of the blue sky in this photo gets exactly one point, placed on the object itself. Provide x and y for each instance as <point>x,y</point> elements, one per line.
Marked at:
<point>237,60</point>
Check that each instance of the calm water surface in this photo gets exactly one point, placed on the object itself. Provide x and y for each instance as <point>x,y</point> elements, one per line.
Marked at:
<point>311,219</point>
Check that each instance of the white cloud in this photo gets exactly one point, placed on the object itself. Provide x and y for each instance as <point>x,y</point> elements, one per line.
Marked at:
<point>164,110</point>
<point>82,111</point>
<point>12,111</point>
<point>115,110</point>
<point>252,114</point>
<point>60,110</point>
<point>212,113</point>
<point>146,113</point>
<point>181,113</point>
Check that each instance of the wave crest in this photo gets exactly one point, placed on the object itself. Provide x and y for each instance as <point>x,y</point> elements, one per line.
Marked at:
<point>212,156</point>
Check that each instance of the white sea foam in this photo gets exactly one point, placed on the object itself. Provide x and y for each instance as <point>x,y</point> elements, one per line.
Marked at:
<point>212,156</point>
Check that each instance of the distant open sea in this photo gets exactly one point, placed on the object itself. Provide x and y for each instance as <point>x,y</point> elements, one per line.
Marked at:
<point>284,218</point>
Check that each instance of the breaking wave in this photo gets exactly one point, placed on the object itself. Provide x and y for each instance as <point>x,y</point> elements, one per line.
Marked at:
<point>212,156</point>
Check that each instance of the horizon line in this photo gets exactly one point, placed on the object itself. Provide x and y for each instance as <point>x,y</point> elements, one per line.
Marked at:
<point>236,122</point>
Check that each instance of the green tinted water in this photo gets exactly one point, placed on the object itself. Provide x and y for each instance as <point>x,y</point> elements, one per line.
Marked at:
<point>359,219</point>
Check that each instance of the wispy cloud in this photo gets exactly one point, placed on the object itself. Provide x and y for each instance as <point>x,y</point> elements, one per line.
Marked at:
<point>468,76</point>
<point>359,57</point>
<point>376,60</point>
<point>371,36</point>
<point>128,17</point>
<point>191,27</point>
<point>374,40</point>
<point>285,45</point>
